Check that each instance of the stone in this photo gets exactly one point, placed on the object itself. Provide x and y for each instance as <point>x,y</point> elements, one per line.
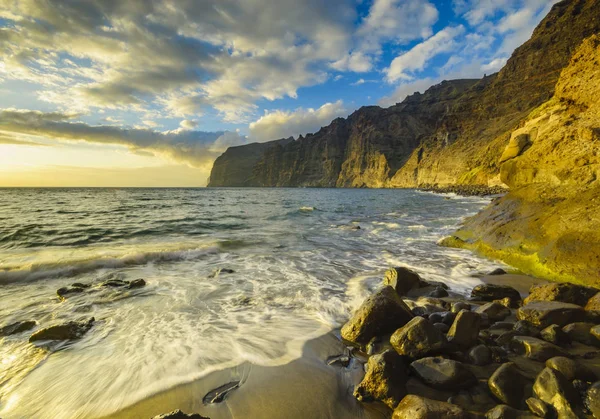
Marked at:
<point>465,329</point>
<point>505,339</point>
<point>114,283</point>
<point>380,314</point>
<point>581,332</point>
<point>442,326</point>
<point>18,327</point>
<point>539,408</point>
<point>536,349</point>
<point>480,355</point>
<point>67,331</point>
<point>553,388</point>
<point>595,331</point>
<point>457,307</point>
<point>495,312</point>
<point>554,334</point>
<point>491,292</point>
<point>593,304</point>
<point>545,313</point>
<point>137,283</point>
<point>474,399</point>
<point>385,380</point>
<point>178,414</point>
<point>509,385</point>
<point>402,280</point>
<point>439,292</point>
<point>436,317</point>
<point>525,328</point>
<point>416,407</point>
<point>591,400</point>
<point>75,288</point>
<point>218,395</point>
<point>220,271</point>
<point>498,271</point>
<point>502,326</point>
<point>570,369</point>
<point>448,318</point>
<point>507,302</point>
<point>563,292</point>
<point>443,374</point>
<point>516,146</point>
<point>418,338</point>
<point>503,411</point>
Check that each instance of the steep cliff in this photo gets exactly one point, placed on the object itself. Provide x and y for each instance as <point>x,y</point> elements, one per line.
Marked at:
<point>454,133</point>
<point>549,223</point>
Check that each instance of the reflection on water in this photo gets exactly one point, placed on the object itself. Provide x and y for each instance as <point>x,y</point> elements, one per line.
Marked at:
<point>300,266</point>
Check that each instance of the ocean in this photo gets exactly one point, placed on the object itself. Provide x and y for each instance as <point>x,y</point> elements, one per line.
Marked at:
<point>233,276</point>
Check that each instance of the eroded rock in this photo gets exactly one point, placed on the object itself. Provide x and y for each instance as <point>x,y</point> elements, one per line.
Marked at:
<point>563,292</point>
<point>545,313</point>
<point>592,399</point>
<point>539,408</point>
<point>385,380</point>
<point>553,388</point>
<point>495,311</point>
<point>581,332</point>
<point>178,414</point>
<point>554,334</point>
<point>465,329</point>
<point>401,279</point>
<point>570,369</point>
<point>536,349</point>
<point>509,385</point>
<point>491,292</point>
<point>503,411</point>
<point>443,374</point>
<point>418,338</point>
<point>480,355</point>
<point>18,327</point>
<point>416,407</point>
<point>67,331</point>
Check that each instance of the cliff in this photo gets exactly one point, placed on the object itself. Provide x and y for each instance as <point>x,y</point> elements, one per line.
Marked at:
<point>454,133</point>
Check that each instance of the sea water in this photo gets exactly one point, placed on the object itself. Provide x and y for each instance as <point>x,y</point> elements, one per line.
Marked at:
<point>300,264</point>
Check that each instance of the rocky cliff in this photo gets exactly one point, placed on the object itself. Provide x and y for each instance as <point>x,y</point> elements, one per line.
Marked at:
<point>454,133</point>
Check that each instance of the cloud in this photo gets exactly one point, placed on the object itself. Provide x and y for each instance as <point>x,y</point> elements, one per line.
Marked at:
<point>188,124</point>
<point>282,124</point>
<point>195,148</point>
<point>403,66</point>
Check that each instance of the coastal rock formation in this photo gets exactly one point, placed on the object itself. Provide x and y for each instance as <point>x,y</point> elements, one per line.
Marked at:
<point>417,407</point>
<point>67,331</point>
<point>385,380</point>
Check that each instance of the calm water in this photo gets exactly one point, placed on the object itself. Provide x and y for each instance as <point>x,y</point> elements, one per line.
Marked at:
<point>300,269</point>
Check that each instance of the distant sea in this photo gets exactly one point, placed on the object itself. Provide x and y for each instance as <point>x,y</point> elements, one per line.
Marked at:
<point>300,265</point>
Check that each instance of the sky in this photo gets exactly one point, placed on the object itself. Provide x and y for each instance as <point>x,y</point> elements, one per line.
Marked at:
<point>151,92</point>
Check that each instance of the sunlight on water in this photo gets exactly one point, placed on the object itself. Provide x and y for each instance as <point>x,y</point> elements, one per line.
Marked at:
<point>300,266</point>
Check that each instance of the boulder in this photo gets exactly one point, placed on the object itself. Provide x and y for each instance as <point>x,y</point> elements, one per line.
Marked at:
<point>525,328</point>
<point>545,313</point>
<point>491,292</point>
<point>418,338</point>
<point>480,355</point>
<point>465,329</point>
<point>570,369</point>
<point>536,349</point>
<point>553,388</point>
<point>443,374</point>
<point>593,304</point>
<point>505,339</point>
<point>385,380</point>
<point>402,280</point>
<point>591,401</point>
<point>563,292</point>
<point>474,399</point>
<point>595,331</point>
<point>554,334</point>
<point>510,386</point>
<point>416,407</point>
<point>18,327</point>
<point>495,311</point>
<point>380,314</point>
<point>443,327</point>
<point>457,307</point>
<point>503,411</point>
<point>438,292</point>
<point>539,408</point>
<point>137,283</point>
<point>114,283</point>
<point>75,288</point>
<point>178,414</point>
<point>507,302</point>
<point>502,326</point>
<point>497,271</point>
<point>581,332</point>
<point>66,331</point>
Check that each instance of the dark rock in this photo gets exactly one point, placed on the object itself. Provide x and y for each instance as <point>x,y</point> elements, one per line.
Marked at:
<point>342,360</point>
<point>502,326</point>
<point>220,271</point>
<point>465,329</point>
<point>499,354</point>
<point>442,326</point>
<point>554,334</point>
<point>480,355</point>
<point>436,317</point>
<point>491,292</point>
<point>505,339</point>
<point>475,399</point>
<point>418,338</point>
<point>420,311</point>
<point>402,280</point>
<point>439,292</point>
<point>433,304</point>
<point>67,331</point>
<point>553,388</point>
<point>218,395</point>
<point>385,380</point>
<point>592,399</point>
<point>114,283</point>
<point>507,302</point>
<point>570,369</point>
<point>498,271</point>
<point>76,288</point>
<point>593,304</point>
<point>434,284</point>
<point>381,313</point>
<point>503,411</point>
<point>545,313</point>
<point>457,307</point>
<point>137,283</point>
<point>178,414</point>
<point>18,327</point>
<point>374,345</point>
<point>495,312</point>
<point>509,385</point>
<point>595,331</point>
<point>443,374</point>
<point>562,292</point>
<point>540,408</point>
<point>581,332</point>
<point>525,328</point>
<point>448,318</point>
<point>416,407</point>
<point>536,349</point>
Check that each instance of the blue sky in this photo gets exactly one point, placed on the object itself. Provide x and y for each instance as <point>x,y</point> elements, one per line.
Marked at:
<point>176,82</point>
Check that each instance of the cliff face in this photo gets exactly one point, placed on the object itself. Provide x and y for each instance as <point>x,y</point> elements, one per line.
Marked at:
<point>454,133</point>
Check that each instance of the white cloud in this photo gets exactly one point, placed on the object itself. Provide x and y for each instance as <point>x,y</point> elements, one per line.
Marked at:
<point>282,124</point>
<point>188,124</point>
<point>403,66</point>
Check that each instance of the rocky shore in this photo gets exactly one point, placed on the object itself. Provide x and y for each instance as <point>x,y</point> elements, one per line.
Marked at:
<point>465,190</point>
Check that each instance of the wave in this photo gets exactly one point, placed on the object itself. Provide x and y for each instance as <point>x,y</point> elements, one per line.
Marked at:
<point>307,209</point>
<point>73,267</point>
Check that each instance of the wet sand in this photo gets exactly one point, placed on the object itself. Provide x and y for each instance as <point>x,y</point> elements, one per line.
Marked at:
<point>304,388</point>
